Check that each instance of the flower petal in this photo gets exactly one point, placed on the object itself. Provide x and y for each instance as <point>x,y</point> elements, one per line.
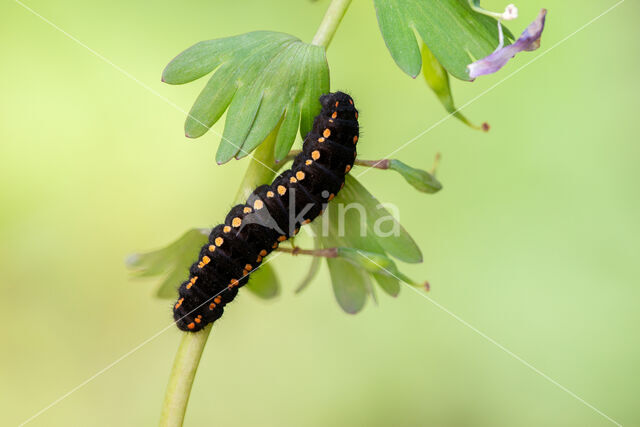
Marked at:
<point>529,40</point>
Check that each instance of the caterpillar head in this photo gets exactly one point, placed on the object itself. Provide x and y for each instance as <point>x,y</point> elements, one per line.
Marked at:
<point>329,100</point>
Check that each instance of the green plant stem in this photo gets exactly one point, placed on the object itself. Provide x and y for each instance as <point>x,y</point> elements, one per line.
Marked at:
<point>330,22</point>
<point>259,171</point>
<point>192,345</point>
<point>182,375</point>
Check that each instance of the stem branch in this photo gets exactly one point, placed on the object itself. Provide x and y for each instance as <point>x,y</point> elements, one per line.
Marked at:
<point>325,253</point>
<point>378,164</point>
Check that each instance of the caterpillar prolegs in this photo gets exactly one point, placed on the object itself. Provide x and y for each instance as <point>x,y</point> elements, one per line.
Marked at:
<point>272,214</point>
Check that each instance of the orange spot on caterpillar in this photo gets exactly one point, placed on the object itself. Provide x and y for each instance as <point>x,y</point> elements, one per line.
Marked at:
<point>248,267</point>
<point>293,180</point>
<point>315,154</point>
<point>337,103</point>
<point>226,229</point>
<point>282,190</point>
<point>356,114</point>
<point>205,261</point>
<point>179,303</point>
<point>282,238</point>
<point>270,194</point>
<point>259,259</point>
<point>334,115</point>
<point>331,196</point>
<point>217,299</point>
<point>275,245</point>
<point>219,241</point>
<point>355,139</point>
<point>351,101</point>
<point>212,248</point>
<point>234,282</point>
<point>306,221</point>
<point>197,320</point>
<point>258,204</point>
<point>300,175</point>
<point>212,306</point>
<point>347,169</point>
<point>326,133</point>
<point>236,222</point>
<point>342,185</point>
<point>296,231</point>
<point>247,209</point>
<point>244,273</point>
<point>263,252</point>
<point>191,325</point>
<point>308,162</point>
<point>321,139</point>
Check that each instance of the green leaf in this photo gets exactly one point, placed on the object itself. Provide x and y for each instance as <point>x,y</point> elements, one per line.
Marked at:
<point>350,283</point>
<point>261,77</point>
<point>349,224</point>
<point>388,284</point>
<point>438,80</point>
<point>421,180</point>
<point>264,282</point>
<point>380,224</point>
<point>369,261</point>
<point>171,262</point>
<point>450,28</point>
<point>350,229</point>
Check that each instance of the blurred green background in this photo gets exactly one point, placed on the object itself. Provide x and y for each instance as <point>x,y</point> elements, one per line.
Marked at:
<point>533,241</point>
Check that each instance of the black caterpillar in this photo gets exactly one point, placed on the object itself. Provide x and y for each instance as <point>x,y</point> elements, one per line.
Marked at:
<point>272,214</point>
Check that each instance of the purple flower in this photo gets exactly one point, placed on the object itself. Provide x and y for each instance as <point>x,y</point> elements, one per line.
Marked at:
<point>529,40</point>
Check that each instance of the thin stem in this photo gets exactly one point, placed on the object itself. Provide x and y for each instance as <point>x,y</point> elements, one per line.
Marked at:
<point>292,155</point>
<point>192,345</point>
<point>330,22</point>
<point>325,253</point>
<point>436,163</point>
<point>183,373</point>
<point>378,164</point>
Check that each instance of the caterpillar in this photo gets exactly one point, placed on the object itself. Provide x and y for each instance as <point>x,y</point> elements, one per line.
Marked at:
<point>272,214</point>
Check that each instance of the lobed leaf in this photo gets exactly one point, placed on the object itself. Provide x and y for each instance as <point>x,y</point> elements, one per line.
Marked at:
<point>261,77</point>
<point>454,33</point>
<point>399,243</point>
<point>171,262</point>
<point>351,229</point>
